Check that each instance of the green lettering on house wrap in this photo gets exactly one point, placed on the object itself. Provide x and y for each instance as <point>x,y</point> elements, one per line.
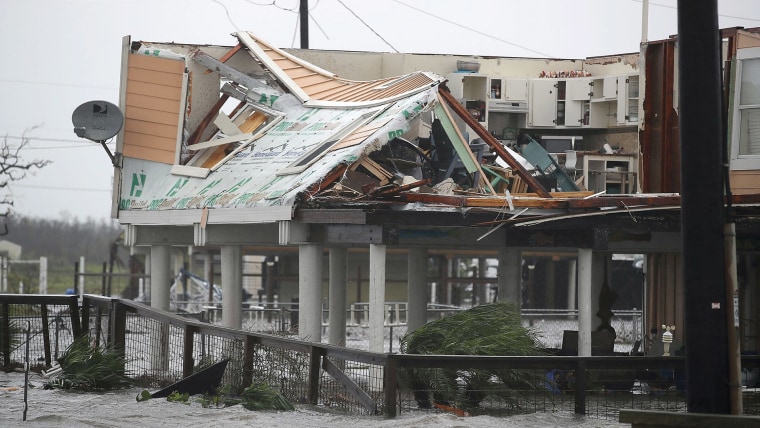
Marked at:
<point>138,183</point>
<point>239,184</point>
<point>178,185</point>
<point>209,186</point>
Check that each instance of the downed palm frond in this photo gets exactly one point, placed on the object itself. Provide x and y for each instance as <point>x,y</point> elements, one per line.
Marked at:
<point>261,396</point>
<point>90,368</point>
<point>493,329</point>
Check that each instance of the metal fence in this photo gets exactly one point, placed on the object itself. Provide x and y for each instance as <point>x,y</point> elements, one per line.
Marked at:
<point>162,348</point>
<point>549,324</point>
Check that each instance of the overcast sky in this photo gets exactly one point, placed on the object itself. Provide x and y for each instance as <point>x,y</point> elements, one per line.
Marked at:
<point>58,54</point>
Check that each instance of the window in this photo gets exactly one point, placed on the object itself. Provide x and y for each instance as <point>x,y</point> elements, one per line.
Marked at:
<point>746,113</point>
<point>749,108</point>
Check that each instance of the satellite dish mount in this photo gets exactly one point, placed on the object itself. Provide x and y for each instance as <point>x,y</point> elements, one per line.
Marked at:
<point>98,121</point>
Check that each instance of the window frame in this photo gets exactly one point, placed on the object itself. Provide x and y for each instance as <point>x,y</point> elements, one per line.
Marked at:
<point>741,161</point>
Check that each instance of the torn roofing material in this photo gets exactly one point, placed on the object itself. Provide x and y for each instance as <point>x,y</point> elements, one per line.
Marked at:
<point>294,124</point>
<point>314,86</point>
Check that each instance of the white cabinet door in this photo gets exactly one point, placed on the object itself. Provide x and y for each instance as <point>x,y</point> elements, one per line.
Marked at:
<point>543,103</point>
<point>622,100</point>
<point>573,113</point>
<point>516,89</point>
<point>579,89</point>
<point>610,88</point>
<point>579,93</point>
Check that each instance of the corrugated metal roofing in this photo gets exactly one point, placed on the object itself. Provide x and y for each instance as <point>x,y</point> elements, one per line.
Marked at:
<point>309,82</point>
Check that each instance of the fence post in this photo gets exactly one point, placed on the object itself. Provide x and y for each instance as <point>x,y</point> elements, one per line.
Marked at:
<point>580,387</point>
<point>187,354</point>
<point>118,327</point>
<point>103,282</point>
<point>314,368</point>
<point>391,386</point>
<point>45,333</point>
<point>85,314</point>
<point>76,324</point>
<point>248,355</point>
<point>5,334</point>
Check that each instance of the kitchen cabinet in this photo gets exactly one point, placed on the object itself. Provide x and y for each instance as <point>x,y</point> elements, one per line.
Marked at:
<point>577,103</point>
<point>560,102</point>
<point>472,90</point>
<point>628,100</point>
<point>515,90</point>
<point>508,108</point>
<point>542,106</point>
<point>604,102</point>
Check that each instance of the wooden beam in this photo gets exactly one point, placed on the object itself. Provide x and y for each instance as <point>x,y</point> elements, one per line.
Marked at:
<point>491,141</point>
<point>351,387</point>
<point>330,178</point>
<point>210,116</point>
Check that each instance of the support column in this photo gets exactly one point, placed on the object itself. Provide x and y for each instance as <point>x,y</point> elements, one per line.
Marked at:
<point>160,282</point>
<point>482,287</point>
<point>510,276</point>
<point>208,273</point>
<point>310,292</point>
<point>585,261</point>
<point>598,277</point>
<point>550,300</point>
<point>337,296</point>
<point>160,276</point>
<point>416,307</point>
<point>376,297</point>
<point>572,282</point>
<point>232,287</point>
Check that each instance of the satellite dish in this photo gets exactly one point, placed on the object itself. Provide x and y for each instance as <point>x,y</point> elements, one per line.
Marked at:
<point>97,120</point>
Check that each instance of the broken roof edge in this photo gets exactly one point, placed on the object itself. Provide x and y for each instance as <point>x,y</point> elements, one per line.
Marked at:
<point>254,45</point>
<point>184,217</point>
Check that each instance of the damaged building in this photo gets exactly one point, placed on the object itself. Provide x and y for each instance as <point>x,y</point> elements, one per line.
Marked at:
<point>254,150</point>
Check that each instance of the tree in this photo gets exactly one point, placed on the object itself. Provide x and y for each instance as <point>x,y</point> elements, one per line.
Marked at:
<point>13,167</point>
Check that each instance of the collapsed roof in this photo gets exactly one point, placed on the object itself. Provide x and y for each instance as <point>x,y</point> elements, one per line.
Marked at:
<point>294,130</point>
<point>250,134</point>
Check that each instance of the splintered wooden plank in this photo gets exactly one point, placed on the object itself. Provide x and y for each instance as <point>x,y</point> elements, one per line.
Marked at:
<point>253,122</point>
<point>374,168</point>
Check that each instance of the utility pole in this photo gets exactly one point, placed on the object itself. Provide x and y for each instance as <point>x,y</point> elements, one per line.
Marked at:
<point>702,208</point>
<point>303,13</point>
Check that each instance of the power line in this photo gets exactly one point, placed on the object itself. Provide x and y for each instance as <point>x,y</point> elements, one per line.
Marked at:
<point>367,25</point>
<point>226,12</point>
<point>56,140</point>
<point>58,84</point>
<point>78,189</point>
<point>667,6</point>
<point>471,29</point>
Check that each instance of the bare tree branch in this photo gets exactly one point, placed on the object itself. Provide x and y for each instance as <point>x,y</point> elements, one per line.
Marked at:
<point>13,167</point>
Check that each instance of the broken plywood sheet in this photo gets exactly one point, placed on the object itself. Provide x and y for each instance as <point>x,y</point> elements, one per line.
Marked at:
<point>254,177</point>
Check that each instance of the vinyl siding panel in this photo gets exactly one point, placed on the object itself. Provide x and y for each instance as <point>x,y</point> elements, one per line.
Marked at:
<point>153,104</point>
<point>745,182</point>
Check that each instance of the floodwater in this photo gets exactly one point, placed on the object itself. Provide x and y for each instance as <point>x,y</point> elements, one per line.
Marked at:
<point>56,408</point>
